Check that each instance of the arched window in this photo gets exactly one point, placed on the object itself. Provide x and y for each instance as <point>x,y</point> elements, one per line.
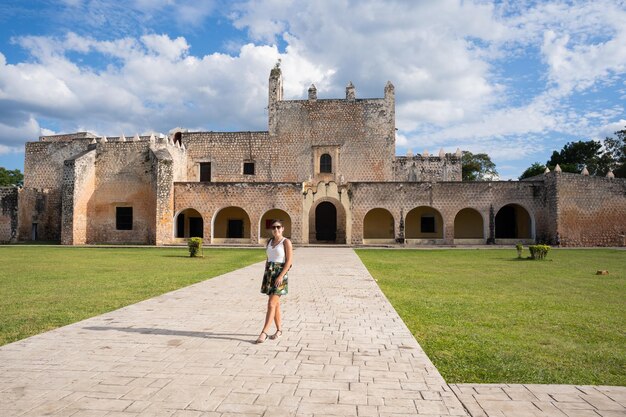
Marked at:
<point>326,163</point>
<point>178,137</point>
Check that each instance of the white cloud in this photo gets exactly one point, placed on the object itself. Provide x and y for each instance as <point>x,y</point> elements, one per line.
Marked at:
<point>447,60</point>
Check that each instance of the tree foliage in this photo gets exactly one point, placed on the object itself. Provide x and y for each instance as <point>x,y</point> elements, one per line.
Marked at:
<point>597,156</point>
<point>477,167</point>
<point>10,177</point>
<point>576,155</point>
<point>536,168</point>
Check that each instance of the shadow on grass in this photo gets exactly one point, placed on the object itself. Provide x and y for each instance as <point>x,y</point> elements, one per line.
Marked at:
<point>528,259</point>
<point>168,332</point>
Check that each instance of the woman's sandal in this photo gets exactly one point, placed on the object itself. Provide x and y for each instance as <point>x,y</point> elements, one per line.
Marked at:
<point>276,335</point>
<point>261,340</point>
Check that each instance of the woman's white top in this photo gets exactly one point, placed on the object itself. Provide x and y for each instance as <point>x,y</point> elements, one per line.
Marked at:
<point>276,253</point>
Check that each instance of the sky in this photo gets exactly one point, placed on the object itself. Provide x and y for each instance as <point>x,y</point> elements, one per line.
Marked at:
<point>514,79</point>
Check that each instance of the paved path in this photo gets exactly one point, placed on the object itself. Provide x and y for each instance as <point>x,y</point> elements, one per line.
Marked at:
<point>189,353</point>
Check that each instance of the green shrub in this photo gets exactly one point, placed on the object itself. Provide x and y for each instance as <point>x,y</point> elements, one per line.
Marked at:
<point>519,248</point>
<point>195,244</point>
<point>538,251</point>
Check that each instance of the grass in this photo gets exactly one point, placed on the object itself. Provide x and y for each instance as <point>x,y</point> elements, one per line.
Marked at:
<point>45,287</point>
<point>483,316</point>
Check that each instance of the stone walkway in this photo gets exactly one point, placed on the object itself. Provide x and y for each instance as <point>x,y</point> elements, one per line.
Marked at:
<point>345,352</point>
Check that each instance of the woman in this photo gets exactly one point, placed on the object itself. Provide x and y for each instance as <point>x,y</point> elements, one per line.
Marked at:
<point>275,284</point>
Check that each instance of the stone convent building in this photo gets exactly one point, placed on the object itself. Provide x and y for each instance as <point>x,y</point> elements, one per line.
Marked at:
<point>326,168</point>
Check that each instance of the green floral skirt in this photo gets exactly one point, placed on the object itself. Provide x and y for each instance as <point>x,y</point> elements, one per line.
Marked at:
<point>272,270</point>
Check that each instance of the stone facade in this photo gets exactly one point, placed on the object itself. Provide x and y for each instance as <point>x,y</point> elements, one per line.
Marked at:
<point>8,215</point>
<point>326,167</point>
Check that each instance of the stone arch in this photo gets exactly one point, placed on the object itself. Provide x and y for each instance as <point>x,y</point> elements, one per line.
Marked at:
<point>378,226</point>
<point>469,225</point>
<point>423,223</point>
<point>188,223</point>
<point>270,216</point>
<point>513,221</point>
<point>321,221</point>
<point>231,225</point>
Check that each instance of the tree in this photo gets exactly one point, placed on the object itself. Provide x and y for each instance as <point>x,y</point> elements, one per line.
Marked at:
<point>535,169</point>
<point>596,156</point>
<point>9,178</point>
<point>616,148</point>
<point>478,167</point>
<point>576,155</point>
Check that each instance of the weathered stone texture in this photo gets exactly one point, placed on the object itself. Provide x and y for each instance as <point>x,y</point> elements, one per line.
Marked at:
<point>43,163</point>
<point>67,137</point>
<point>8,215</point>
<point>447,198</point>
<point>427,168</point>
<point>255,198</point>
<point>591,211</point>
<point>123,179</point>
<point>227,151</point>
<point>78,188</point>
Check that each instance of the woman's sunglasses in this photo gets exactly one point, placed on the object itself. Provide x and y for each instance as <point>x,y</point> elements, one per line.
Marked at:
<point>276,227</point>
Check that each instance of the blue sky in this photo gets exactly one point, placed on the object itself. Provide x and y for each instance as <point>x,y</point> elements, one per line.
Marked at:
<point>513,79</point>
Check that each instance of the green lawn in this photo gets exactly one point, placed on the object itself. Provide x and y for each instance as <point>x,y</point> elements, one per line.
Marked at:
<point>42,288</point>
<point>483,316</point>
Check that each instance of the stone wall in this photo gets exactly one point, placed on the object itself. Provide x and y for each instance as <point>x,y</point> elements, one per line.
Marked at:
<point>420,168</point>
<point>359,135</point>
<point>67,137</point>
<point>78,188</point>
<point>591,211</point>
<point>8,214</point>
<point>227,151</point>
<point>123,179</point>
<point>43,162</point>
<point>39,214</point>
<point>447,198</point>
<point>169,166</point>
<point>254,198</point>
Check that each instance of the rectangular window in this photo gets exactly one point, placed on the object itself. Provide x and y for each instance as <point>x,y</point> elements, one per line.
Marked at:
<point>205,172</point>
<point>124,218</point>
<point>235,229</point>
<point>428,224</point>
<point>248,168</point>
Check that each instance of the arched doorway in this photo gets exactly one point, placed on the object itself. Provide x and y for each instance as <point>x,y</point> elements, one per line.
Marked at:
<point>231,225</point>
<point>378,226</point>
<point>326,222</point>
<point>265,232</point>
<point>513,222</point>
<point>423,225</point>
<point>189,223</point>
<point>468,226</point>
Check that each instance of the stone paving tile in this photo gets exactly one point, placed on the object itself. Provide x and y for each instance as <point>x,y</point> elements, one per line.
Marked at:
<point>486,400</point>
<point>190,353</point>
<point>345,351</point>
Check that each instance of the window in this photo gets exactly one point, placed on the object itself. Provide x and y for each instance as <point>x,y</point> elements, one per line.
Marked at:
<point>235,229</point>
<point>248,168</point>
<point>124,218</point>
<point>205,172</point>
<point>326,163</point>
<point>178,137</point>
<point>428,224</point>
